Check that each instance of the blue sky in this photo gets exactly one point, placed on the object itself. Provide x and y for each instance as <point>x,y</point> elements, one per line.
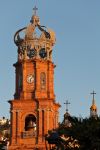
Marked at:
<point>76,53</point>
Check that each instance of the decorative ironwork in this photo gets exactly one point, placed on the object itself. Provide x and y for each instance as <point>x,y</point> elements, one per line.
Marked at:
<point>43,53</point>
<point>31,53</point>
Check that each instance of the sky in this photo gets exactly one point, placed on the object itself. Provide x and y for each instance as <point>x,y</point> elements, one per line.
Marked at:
<point>76,52</point>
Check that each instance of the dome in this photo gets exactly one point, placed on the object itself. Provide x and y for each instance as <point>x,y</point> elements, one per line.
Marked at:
<point>66,115</point>
<point>93,107</point>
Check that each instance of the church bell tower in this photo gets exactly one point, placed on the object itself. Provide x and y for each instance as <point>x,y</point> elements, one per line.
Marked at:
<point>33,110</point>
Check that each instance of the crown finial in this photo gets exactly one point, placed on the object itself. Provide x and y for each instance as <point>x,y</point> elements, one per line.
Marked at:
<point>38,39</point>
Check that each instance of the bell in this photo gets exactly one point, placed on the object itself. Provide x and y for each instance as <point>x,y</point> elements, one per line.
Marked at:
<point>30,125</point>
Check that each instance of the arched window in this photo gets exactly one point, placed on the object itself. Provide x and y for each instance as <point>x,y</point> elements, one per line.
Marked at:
<point>30,123</point>
<point>43,80</point>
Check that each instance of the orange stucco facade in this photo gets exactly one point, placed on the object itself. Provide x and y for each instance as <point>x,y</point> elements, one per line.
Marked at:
<point>33,110</point>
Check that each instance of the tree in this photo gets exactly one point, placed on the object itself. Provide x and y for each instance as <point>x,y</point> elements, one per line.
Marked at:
<point>85,131</point>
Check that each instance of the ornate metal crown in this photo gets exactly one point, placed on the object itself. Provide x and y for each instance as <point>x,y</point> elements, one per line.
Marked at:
<point>34,41</point>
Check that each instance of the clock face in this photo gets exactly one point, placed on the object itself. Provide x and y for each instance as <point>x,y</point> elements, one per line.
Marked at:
<point>31,53</point>
<point>43,53</point>
<point>30,78</point>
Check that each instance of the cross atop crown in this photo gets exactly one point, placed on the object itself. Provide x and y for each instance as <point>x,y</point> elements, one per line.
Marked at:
<point>35,10</point>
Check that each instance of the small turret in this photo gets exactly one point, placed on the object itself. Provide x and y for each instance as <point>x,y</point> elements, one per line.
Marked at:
<point>93,108</point>
<point>66,120</point>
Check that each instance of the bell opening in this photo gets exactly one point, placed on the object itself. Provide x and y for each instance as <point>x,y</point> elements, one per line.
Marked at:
<point>30,123</point>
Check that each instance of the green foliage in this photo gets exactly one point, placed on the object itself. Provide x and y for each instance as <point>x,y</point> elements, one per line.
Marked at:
<point>86,131</point>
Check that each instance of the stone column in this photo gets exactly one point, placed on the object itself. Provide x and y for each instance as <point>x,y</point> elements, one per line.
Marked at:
<point>48,111</point>
<point>18,127</point>
<point>13,127</point>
